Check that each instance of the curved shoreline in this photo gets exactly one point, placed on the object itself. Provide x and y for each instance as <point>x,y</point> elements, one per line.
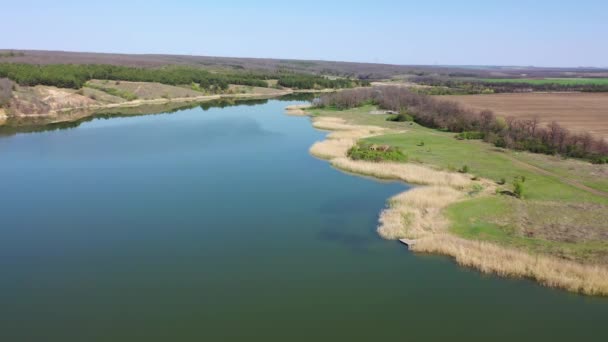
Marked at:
<point>68,114</point>
<point>418,214</point>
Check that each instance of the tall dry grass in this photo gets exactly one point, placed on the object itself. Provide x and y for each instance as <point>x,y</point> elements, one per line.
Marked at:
<point>410,173</point>
<point>339,124</point>
<point>417,214</point>
<point>331,148</point>
<point>491,258</point>
<point>297,110</point>
<point>343,137</point>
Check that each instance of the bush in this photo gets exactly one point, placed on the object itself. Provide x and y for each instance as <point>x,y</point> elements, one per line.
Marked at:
<point>470,135</point>
<point>599,160</point>
<point>464,169</point>
<point>502,181</point>
<point>518,188</point>
<point>402,117</point>
<point>376,153</point>
<point>477,188</point>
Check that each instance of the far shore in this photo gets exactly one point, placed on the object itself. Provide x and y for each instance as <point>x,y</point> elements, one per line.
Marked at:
<point>68,114</point>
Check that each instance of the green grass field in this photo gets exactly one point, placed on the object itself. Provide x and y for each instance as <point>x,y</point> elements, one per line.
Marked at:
<point>560,81</point>
<point>553,217</point>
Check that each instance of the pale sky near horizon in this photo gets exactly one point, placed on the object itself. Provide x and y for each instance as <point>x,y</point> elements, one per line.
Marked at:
<point>467,32</point>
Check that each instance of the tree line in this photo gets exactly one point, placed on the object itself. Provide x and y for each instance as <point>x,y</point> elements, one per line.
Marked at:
<point>301,81</point>
<point>478,86</point>
<point>518,134</point>
<point>76,75</point>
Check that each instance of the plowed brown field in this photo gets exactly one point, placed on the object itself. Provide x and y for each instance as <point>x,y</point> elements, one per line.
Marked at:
<point>579,112</point>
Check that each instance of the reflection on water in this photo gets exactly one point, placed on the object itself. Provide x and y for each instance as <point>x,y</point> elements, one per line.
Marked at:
<point>219,226</point>
<point>73,119</point>
<point>16,125</point>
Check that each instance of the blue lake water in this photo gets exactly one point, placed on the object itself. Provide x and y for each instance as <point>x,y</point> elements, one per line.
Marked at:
<point>217,225</point>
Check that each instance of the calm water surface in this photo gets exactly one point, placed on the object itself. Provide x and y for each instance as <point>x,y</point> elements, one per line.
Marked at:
<point>217,225</point>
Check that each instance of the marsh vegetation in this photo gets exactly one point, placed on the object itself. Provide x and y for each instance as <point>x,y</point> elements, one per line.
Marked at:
<point>528,240</point>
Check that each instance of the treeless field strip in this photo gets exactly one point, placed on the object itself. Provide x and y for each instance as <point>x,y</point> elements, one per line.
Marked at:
<point>579,112</point>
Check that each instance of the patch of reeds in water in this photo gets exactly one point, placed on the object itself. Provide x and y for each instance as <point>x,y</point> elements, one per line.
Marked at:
<point>491,258</point>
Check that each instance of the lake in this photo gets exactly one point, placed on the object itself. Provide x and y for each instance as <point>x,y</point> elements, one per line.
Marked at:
<point>215,224</point>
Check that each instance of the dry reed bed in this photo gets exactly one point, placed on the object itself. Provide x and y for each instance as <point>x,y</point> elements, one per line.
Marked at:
<point>297,110</point>
<point>490,258</point>
<point>417,214</point>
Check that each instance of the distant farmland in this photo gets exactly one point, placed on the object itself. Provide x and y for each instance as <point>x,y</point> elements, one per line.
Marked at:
<point>579,112</point>
<point>560,81</point>
<point>371,71</point>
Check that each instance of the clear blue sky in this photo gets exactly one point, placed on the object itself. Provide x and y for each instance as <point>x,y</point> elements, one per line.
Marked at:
<point>541,33</point>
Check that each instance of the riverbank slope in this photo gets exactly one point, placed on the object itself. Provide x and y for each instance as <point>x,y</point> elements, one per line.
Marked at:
<point>42,105</point>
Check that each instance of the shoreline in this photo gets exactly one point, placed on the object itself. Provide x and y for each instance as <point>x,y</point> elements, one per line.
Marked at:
<point>69,114</point>
<point>417,214</point>
<point>143,102</point>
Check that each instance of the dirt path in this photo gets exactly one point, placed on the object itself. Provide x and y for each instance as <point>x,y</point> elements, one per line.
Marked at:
<point>568,181</point>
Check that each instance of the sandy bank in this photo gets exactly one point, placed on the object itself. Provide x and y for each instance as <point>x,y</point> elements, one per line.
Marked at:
<point>418,214</point>
<point>297,110</point>
<point>141,102</point>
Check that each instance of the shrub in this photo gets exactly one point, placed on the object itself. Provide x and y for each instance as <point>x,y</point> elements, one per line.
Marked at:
<point>599,160</point>
<point>502,181</point>
<point>195,87</point>
<point>518,188</point>
<point>477,188</point>
<point>376,153</point>
<point>402,117</point>
<point>470,135</point>
<point>464,169</point>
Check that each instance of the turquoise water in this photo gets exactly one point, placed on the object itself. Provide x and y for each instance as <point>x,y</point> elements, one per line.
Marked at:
<point>218,225</point>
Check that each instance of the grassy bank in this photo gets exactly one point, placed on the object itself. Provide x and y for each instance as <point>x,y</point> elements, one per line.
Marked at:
<point>558,222</point>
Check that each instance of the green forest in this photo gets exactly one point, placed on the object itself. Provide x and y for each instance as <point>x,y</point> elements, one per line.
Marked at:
<point>76,75</point>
